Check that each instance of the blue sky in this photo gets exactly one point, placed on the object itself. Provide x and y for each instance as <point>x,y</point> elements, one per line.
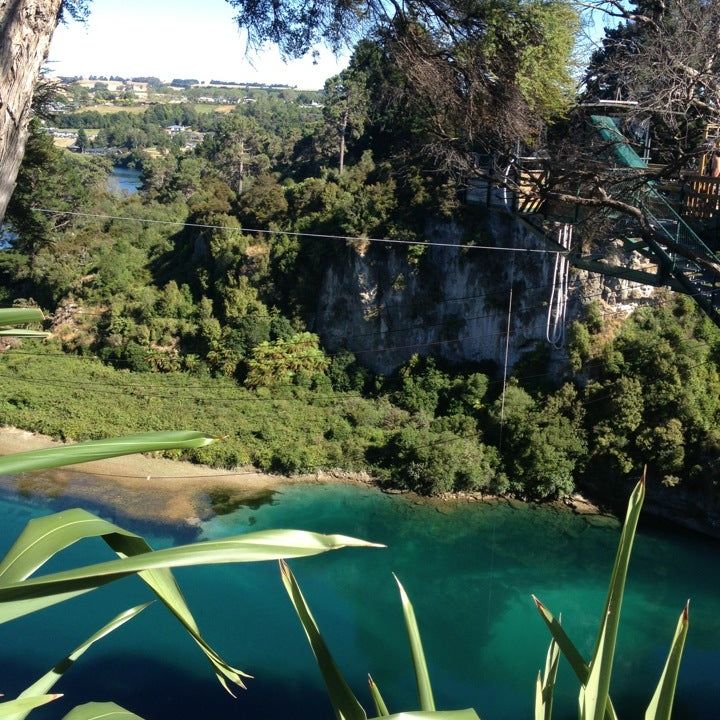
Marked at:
<point>175,38</point>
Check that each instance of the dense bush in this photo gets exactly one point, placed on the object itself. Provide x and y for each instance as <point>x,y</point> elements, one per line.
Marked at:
<point>439,462</point>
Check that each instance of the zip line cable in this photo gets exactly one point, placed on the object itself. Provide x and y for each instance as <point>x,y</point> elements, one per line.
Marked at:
<point>322,236</point>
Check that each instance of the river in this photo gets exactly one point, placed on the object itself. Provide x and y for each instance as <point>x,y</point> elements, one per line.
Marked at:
<point>469,569</point>
<point>125,180</point>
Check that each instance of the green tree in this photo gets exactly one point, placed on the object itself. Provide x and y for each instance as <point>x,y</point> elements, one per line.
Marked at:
<point>81,141</point>
<point>296,360</point>
<point>50,178</point>
<point>239,149</point>
<point>345,110</point>
<point>431,463</point>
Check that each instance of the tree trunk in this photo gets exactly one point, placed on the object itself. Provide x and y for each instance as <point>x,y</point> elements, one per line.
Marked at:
<point>26,28</point>
<point>343,130</point>
<point>241,181</point>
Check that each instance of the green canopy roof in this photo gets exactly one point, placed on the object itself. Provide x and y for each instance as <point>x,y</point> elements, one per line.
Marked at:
<point>621,148</point>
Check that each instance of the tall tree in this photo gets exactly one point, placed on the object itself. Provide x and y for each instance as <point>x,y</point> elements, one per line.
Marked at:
<point>345,110</point>
<point>240,149</point>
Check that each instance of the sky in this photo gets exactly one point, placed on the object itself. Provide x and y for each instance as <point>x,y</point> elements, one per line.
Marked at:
<point>176,39</point>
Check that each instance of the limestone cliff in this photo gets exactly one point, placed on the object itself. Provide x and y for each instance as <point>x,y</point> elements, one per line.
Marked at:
<point>452,302</point>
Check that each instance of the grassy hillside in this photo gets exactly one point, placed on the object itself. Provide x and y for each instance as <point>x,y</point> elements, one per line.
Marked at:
<point>70,397</point>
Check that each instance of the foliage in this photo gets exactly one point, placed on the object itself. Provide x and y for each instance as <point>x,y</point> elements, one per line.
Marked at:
<point>49,178</point>
<point>654,396</point>
<point>296,360</point>
<point>543,444</point>
<point>439,462</point>
<point>42,539</point>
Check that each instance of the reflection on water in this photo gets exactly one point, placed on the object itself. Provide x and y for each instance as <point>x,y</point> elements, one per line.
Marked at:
<point>469,569</point>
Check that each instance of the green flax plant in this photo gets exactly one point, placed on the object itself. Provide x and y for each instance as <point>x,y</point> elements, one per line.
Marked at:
<point>23,591</point>
<point>20,316</point>
<point>594,676</point>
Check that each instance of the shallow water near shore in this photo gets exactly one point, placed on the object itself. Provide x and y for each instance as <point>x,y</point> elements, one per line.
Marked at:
<point>469,569</point>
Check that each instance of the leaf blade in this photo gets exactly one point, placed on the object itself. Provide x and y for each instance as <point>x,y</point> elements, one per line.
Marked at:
<point>47,681</point>
<point>345,705</point>
<point>422,676</point>
<point>100,711</point>
<point>20,316</point>
<point>601,666</point>
<point>661,704</point>
<point>100,450</point>
<point>569,651</point>
<point>17,332</point>
<point>26,704</point>
<point>380,706</point>
<point>468,714</point>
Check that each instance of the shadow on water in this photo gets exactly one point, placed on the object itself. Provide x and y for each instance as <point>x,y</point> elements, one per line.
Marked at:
<point>155,689</point>
<point>179,533</point>
<point>226,500</point>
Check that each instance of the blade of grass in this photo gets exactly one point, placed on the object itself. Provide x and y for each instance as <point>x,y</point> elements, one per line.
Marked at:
<point>422,677</point>
<point>100,711</point>
<point>380,706</point>
<point>590,693</point>
<point>47,681</point>
<point>660,707</point>
<point>342,699</point>
<point>16,599</point>
<point>44,537</point>
<point>545,686</point>
<point>100,450</point>
<point>16,332</point>
<point>19,316</point>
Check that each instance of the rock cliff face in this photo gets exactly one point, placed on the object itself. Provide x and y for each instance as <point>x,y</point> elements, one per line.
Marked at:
<point>451,303</point>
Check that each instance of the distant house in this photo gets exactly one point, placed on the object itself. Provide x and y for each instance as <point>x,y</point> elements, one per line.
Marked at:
<point>175,129</point>
<point>65,134</point>
<point>192,139</point>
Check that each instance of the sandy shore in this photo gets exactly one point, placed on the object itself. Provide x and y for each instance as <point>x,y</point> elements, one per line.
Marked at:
<point>154,489</point>
<point>144,487</point>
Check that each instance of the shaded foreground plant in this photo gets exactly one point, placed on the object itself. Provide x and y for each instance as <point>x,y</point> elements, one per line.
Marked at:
<point>20,316</point>
<point>22,591</point>
<point>594,676</point>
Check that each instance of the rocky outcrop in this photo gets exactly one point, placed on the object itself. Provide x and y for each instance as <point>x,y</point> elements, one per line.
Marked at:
<point>453,301</point>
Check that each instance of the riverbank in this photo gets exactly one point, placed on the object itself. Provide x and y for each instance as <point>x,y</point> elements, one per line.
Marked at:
<point>149,488</point>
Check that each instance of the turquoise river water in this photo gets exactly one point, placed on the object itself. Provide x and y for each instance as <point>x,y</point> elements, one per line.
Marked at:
<point>469,569</point>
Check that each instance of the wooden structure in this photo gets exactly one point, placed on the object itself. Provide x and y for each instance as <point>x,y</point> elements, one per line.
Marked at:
<point>712,136</point>
<point>674,213</point>
<point>701,197</point>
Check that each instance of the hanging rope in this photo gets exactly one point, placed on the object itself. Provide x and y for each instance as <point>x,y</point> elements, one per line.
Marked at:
<point>507,352</point>
<point>559,290</point>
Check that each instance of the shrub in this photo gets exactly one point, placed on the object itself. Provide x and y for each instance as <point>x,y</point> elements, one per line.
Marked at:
<point>433,463</point>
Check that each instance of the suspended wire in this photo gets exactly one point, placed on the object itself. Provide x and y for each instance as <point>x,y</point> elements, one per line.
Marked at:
<point>288,233</point>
